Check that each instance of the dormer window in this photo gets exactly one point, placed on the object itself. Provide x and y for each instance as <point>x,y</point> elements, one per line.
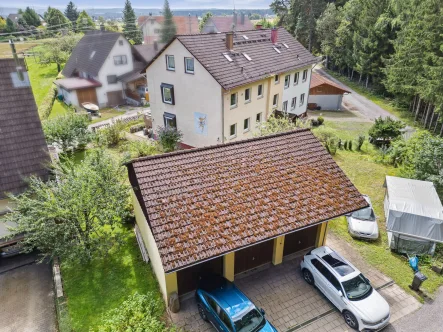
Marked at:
<point>170,62</point>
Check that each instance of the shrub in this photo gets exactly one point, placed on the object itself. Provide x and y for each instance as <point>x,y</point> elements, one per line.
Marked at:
<point>136,149</point>
<point>360,141</point>
<point>350,145</point>
<point>137,313</point>
<point>136,128</point>
<point>340,144</point>
<point>45,107</point>
<point>385,130</point>
<point>169,138</point>
<point>110,136</point>
<point>275,124</point>
<point>320,120</point>
<point>346,145</point>
<point>328,138</point>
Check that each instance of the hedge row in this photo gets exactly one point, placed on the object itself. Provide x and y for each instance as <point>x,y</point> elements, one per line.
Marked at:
<point>46,106</point>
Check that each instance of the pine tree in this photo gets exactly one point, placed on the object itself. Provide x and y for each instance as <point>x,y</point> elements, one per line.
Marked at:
<point>327,26</point>
<point>169,30</point>
<point>71,12</point>
<point>84,22</point>
<point>31,17</point>
<point>55,19</point>
<point>130,29</point>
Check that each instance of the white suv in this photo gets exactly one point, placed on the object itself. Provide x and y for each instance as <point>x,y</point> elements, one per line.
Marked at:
<point>363,308</point>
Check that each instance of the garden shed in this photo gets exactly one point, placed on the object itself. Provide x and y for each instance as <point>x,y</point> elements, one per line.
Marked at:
<point>325,94</point>
<point>414,215</point>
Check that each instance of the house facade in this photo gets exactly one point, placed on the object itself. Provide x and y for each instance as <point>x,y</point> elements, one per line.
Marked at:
<point>94,70</point>
<point>217,88</point>
<point>151,26</point>
<point>325,94</point>
<point>212,209</point>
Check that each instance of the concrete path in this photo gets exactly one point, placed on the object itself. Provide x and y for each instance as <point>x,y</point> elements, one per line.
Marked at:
<point>358,103</point>
<point>26,297</point>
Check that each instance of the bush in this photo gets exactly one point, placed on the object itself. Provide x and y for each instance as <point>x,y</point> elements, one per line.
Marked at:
<point>320,120</point>
<point>340,144</point>
<point>360,141</point>
<point>44,109</point>
<point>137,313</point>
<point>328,138</point>
<point>110,136</point>
<point>169,138</point>
<point>136,128</point>
<point>385,130</point>
<point>136,149</point>
<point>350,145</point>
<point>346,145</point>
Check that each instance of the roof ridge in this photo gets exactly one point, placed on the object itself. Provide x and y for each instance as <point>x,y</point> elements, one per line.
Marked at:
<point>221,33</point>
<point>211,147</point>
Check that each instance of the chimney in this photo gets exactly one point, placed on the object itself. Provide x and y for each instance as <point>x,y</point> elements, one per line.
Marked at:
<point>234,20</point>
<point>189,20</point>
<point>155,46</point>
<point>242,18</point>
<point>258,26</point>
<point>102,27</point>
<point>229,40</point>
<point>19,68</point>
<point>274,35</point>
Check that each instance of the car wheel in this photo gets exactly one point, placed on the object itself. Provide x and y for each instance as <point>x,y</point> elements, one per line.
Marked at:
<point>202,312</point>
<point>307,275</point>
<point>350,320</point>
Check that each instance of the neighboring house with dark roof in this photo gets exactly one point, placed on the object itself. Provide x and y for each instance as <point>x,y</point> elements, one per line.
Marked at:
<point>23,149</point>
<point>325,94</point>
<point>235,22</point>
<point>15,17</point>
<point>215,87</point>
<point>233,207</point>
<point>151,26</point>
<point>98,70</point>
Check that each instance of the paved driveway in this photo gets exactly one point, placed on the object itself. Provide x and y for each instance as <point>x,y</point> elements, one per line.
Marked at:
<point>293,305</point>
<point>26,296</point>
<point>358,103</point>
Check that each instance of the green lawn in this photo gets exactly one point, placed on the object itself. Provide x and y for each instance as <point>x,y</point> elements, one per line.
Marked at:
<point>95,288</point>
<point>368,176</point>
<point>107,114</point>
<point>59,108</point>
<point>41,77</point>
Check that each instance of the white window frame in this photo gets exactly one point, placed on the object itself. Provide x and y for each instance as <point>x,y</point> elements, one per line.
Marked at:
<point>236,100</point>
<point>287,79</point>
<point>245,130</point>
<point>167,62</point>
<point>296,77</point>
<point>302,99</point>
<point>249,99</point>
<point>235,131</point>
<point>171,102</point>
<point>258,90</point>
<point>293,103</point>
<point>284,106</point>
<point>121,62</point>
<point>277,79</point>
<point>276,103</point>
<point>187,71</point>
<point>305,75</point>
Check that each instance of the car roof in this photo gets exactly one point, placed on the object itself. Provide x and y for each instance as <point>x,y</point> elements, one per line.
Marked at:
<point>339,266</point>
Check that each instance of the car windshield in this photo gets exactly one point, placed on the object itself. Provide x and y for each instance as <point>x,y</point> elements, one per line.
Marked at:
<point>250,321</point>
<point>364,214</point>
<point>357,288</point>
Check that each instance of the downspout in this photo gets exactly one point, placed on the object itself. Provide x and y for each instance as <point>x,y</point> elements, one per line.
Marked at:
<point>268,98</point>
<point>223,115</point>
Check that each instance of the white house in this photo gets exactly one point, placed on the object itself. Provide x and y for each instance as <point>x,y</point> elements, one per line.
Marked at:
<point>95,68</point>
<point>216,87</point>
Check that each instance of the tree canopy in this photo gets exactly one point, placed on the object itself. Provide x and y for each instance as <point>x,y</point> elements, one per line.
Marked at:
<point>31,17</point>
<point>84,22</point>
<point>204,20</point>
<point>58,50</point>
<point>75,216</point>
<point>71,12</point>
<point>55,19</point>
<point>169,30</point>
<point>130,28</point>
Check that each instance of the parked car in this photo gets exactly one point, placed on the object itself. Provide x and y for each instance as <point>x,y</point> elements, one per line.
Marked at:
<point>229,310</point>
<point>362,307</point>
<point>363,223</point>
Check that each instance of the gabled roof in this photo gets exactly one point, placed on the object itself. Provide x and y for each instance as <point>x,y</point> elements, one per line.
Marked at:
<point>184,24</point>
<point>317,80</point>
<point>91,52</point>
<point>23,149</point>
<point>203,203</point>
<point>209,50</point>
<point>148,52</point>
<point>224,23</point>
<point>15,17</point>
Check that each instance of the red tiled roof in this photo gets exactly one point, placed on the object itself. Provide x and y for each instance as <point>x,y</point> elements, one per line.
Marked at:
<point>317,80</point>
<point>184,24</point>
<point>209,48</point>
<point>202,203</point>
<point>224,23</point>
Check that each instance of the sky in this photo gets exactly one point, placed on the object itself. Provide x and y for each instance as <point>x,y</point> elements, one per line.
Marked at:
<point>174,4</point>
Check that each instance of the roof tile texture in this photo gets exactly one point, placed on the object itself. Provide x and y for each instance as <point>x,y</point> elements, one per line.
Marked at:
<point>225,23</point>
<point>317,80</point>
<point>23,150</point>
<point>206,202</point>
<point>184,24</point>
<point>208,49</point>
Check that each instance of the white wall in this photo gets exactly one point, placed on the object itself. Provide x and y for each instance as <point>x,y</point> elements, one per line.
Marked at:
<point>109,68</point>
<point>148,29</point>
<point>193,93</point>
<point>327,102</point>
<point>296,91</point>
<point>70,97</point>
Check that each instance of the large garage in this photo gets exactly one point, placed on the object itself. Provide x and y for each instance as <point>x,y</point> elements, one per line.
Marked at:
<point>325,94</point>
<point>299,241</point>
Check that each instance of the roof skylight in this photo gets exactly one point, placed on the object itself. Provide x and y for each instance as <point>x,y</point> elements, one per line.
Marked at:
<point>285,45</point>
<point>247,57</point>
<point>276,50</point>
<point>92,55</point>
<point>226,55</point>
<point>245,37</point>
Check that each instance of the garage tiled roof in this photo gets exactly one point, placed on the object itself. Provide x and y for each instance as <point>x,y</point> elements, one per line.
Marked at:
<point>23,149</point>
<point>202,203</point>
<point>317,80</point>
<point>209,50</point>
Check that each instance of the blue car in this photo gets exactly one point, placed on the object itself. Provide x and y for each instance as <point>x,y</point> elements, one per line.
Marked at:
<point>228,309</point>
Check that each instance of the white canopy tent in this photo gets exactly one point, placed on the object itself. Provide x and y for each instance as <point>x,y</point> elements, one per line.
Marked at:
<point>414,215</point>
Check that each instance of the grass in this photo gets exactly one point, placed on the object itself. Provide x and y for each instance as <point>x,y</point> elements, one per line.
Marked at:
<point>95,288</point>
<point>381,101</point>
<point>41,77</point>
<point>369,176</point>
<point>59,108</point>
<point>107,114</point>
<point>5,49</point>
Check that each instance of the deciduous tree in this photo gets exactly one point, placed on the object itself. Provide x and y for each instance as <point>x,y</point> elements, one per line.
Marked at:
<point>84,22</point>
<point>31,17</point>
